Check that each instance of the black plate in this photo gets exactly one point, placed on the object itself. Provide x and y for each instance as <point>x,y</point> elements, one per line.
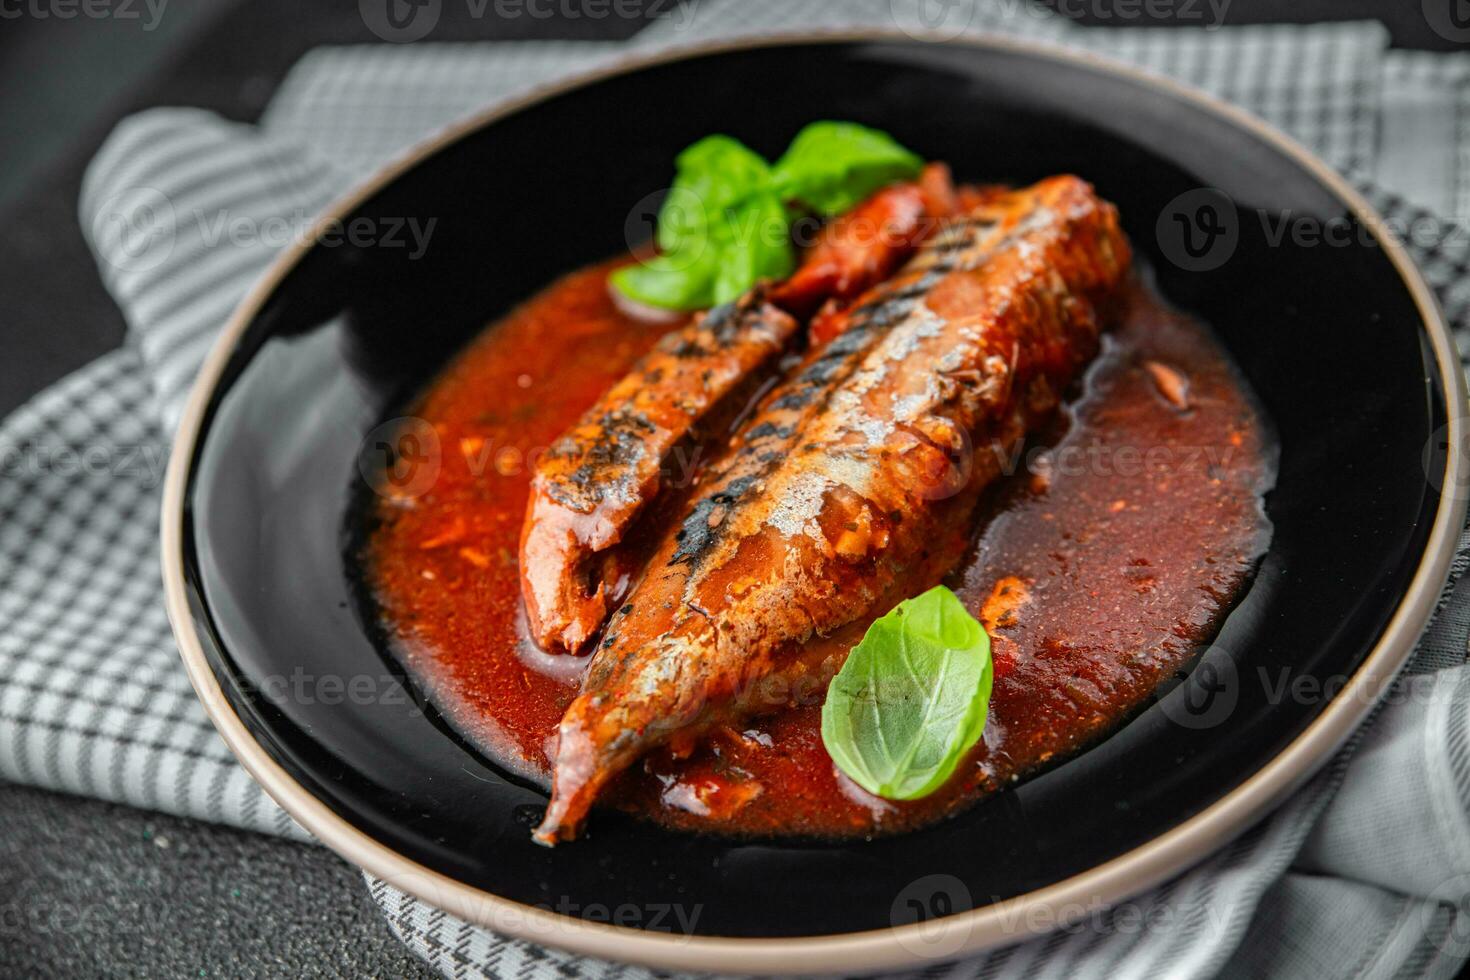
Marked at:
<point>1330,337</point>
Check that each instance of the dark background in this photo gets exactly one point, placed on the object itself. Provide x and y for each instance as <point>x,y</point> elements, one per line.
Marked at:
<point>94,889</point>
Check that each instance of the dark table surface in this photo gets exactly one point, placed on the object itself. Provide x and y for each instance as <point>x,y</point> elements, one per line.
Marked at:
<point>93,889</point>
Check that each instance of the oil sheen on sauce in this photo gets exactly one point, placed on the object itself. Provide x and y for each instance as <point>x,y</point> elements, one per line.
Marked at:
<point>1102,564</point>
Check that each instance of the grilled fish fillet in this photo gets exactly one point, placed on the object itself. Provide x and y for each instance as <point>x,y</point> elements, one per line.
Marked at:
<point>820,512</point>
<point>600,475</point>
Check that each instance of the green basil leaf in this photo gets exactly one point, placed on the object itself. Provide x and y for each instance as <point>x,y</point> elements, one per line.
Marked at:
<point>724,224</point>
<point>679,280</point>
<point>756,244</point>
<point>831,166</point>
<point>711,176</point>
<point>912,698</point>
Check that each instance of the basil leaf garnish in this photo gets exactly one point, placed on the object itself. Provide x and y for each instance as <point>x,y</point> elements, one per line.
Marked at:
<point>710,176</point>
<point>757,246</point>
<point>726,221</point>
<point>831,166</point>
<point>912,698</point>
<point>678,280</point>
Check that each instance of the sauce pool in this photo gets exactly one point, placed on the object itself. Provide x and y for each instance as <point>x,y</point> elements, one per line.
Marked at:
<point>1103,563</point>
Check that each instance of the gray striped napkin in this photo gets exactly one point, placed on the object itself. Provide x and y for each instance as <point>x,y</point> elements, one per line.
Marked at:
<point>1366,871</point>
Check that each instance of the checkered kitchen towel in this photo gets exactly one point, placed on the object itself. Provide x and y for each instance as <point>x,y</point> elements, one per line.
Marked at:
<point>1363,873</point>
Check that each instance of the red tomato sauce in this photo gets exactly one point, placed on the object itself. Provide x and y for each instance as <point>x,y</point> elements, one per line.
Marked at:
<point>1101,566</point>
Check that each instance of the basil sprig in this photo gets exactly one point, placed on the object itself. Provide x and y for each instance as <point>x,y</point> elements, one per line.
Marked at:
<point>831,166</point>
<point>726,222</point>
<point>912,698</point>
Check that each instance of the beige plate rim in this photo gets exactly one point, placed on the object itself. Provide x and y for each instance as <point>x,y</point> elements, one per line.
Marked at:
<point>952,937</point>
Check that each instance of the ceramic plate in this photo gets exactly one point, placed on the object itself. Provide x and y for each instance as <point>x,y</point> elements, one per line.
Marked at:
<point>1341,342</point>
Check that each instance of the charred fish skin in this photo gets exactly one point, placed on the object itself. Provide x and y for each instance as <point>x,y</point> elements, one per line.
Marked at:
<point>972,343</point>
<point>600,475</point>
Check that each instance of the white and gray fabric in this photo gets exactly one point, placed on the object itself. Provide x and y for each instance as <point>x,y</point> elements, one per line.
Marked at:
<point>1365,872</point>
